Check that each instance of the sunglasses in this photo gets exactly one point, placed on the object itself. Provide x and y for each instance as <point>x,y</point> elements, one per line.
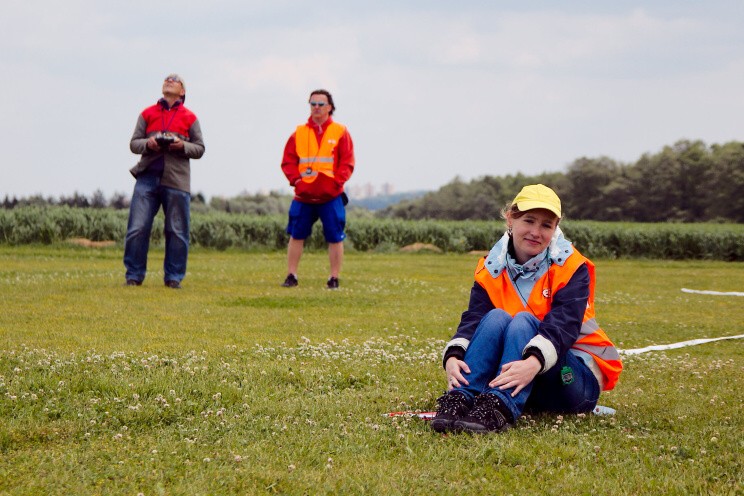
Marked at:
<point>318,104</point>
<point>173,79</point>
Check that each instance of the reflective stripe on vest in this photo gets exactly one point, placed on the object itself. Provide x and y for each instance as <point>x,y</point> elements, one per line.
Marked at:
<point>592,339</point>
<point>316,159</point>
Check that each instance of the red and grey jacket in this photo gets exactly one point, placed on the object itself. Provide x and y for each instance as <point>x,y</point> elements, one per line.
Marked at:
<point>178,120</point>
<point>318,160</point>
<point>562,299</point>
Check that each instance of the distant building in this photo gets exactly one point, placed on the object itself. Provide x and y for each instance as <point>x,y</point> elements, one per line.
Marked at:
<point>369,190</point>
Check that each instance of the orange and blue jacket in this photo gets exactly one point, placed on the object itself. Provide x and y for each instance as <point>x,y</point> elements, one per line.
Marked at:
<point>559,299</point>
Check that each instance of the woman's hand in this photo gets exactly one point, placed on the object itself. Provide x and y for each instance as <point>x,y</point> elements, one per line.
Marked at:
<point>454,369</point>
<point>517,374</point>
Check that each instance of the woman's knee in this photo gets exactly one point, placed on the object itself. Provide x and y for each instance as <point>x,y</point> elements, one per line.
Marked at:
<point>492,326</point>
<point>524,323</point>
<point>496,319</point>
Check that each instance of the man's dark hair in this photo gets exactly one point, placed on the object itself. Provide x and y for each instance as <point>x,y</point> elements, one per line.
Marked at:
<point>328,95</point>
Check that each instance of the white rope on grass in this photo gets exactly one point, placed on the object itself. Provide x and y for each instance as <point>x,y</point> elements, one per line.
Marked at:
<point>681,344</point>
<point>714,293</point>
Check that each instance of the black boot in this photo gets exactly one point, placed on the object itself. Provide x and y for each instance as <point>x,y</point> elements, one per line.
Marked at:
<point>489,414</point>
<point>450,407</point>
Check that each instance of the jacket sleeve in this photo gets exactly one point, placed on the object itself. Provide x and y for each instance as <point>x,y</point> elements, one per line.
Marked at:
<point>560,328</point>
<point>478,306</point>
<point>345,159</point>
<point>138,143</point>
<point>290,161</point>
<point>194,147</point>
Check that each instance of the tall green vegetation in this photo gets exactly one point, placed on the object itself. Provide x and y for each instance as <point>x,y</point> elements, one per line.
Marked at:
<point>686,182</point>
<point>49,225</point>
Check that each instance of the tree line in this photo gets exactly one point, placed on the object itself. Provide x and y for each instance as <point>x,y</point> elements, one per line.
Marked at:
<point>685,182</point>
<point>252,204</point>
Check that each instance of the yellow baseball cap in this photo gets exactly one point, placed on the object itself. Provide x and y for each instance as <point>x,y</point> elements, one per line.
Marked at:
<point>538,196</point>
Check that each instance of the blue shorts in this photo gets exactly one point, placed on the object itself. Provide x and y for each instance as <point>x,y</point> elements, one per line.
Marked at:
<point>332,214</point>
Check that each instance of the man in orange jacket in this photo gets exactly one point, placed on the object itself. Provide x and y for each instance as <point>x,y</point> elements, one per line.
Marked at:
<point>318,160</point>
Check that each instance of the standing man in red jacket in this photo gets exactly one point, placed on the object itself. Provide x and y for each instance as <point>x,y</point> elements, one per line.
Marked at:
<point>318,160</point>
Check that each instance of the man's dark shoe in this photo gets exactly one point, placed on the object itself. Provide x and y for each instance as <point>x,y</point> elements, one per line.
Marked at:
<point>133,282</point>
<point>332,283</point>
<point>173,284</point>
<point>290,281</point>
<point>489,414</point>
<point>450,407</point>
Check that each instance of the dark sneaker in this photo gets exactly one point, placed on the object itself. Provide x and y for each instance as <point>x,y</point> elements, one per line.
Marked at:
<point>450,407</point>
<point>133,282</point>
<point>489,414</point>
<point>290,281</point>
<point>173,284</point>
<point>332,283</point>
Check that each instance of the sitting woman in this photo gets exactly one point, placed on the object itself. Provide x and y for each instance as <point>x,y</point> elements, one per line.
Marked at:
<point>528,339</point>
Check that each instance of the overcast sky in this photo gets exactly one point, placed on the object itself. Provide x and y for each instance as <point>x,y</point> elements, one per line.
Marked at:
<point>428,89</point>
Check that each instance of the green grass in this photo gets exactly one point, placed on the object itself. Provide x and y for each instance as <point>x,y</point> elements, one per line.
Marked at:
<point>235,385</point>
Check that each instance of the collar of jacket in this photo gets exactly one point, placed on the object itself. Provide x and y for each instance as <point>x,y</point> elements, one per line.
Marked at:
<point>320,129</point>
<point>164,104</point>
<point>559,250</point>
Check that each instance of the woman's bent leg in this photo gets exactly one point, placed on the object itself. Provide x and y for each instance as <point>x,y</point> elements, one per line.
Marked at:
<point>484,352</point>
<point>520,331</point>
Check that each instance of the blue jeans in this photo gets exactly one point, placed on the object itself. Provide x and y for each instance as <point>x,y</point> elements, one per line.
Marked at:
<point>569,386</point>
<point>147,198</point>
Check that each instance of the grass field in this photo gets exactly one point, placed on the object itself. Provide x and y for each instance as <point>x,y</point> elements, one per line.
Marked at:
<point>234,385</point>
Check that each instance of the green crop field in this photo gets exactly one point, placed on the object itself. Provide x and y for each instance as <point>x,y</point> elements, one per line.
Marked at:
<point>234,385</point>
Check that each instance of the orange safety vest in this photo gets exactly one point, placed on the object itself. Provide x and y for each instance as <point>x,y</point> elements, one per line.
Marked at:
<point>592,339</point>
<point>315,159</point>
